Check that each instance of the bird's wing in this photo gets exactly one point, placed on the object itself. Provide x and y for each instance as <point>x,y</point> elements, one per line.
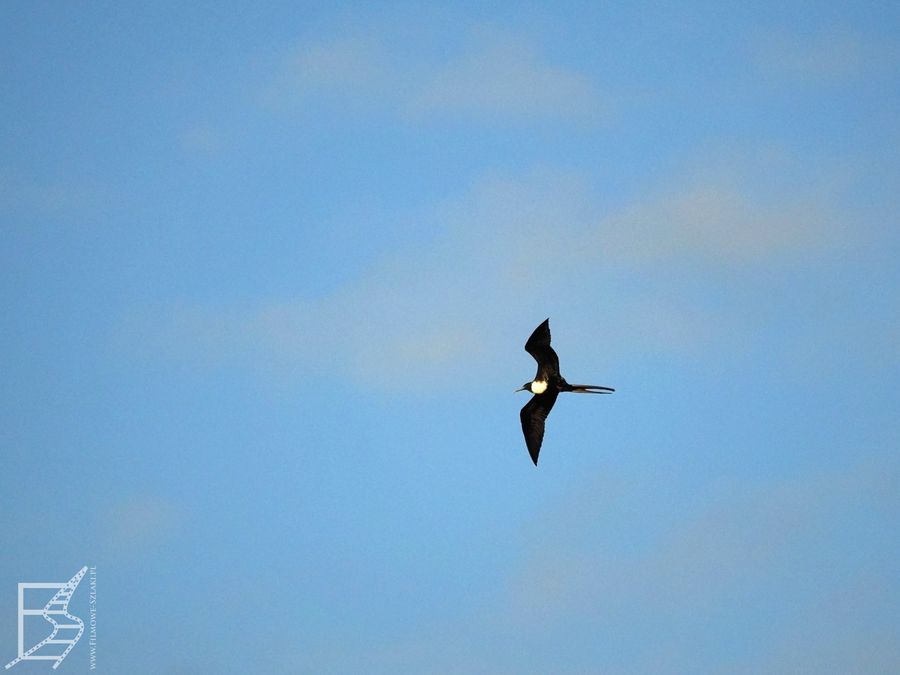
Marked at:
<point>538,346</point>
<point>533,415</point>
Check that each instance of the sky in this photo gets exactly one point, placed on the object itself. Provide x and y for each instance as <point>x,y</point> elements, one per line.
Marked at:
<point>266,272</point>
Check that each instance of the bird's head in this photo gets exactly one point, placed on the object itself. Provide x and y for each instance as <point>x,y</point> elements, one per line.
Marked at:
<point>536,387</point>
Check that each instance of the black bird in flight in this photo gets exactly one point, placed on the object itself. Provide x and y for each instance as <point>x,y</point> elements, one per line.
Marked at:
<point>546,387</point>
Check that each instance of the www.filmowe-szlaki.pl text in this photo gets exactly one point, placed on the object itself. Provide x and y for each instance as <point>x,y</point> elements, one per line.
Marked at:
<point>92,624</point>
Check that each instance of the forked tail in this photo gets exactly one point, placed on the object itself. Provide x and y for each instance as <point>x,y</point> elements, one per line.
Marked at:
<point>590,389</point>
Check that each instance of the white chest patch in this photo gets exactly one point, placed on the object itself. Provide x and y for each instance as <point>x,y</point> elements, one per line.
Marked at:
<point>538,387</point>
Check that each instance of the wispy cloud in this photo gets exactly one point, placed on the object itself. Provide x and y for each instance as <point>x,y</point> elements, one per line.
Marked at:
<point>72,195</point>
<point>743,541</point>
<point>743,531</point>
<point>139,523</point>
<point>746,557</point>
<point>504,75</point>
<point>349,67</point>
<point>201,140</point>
<point>494,76</point>
<point>719,224</point>
<point>513,247</point>
<point>824,55</point>
<point>654,599</point>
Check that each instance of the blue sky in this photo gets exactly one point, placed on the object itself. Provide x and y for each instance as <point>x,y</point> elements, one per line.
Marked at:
<point>266,277</point>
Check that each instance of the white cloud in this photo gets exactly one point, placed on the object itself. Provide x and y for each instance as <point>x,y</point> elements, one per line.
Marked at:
<point>512,248</point>
<point>743,542</point>
<point>824,55</point>
<point>847,629</point>
<point>139,523</point>
<point>775,558</point>
<point>202,140</point>
<point>495,76</point>
<point>716,222</point>
<point>777,552</point>
<point>54,197</point>
<point>500,75</point>
<point>740,535</point>
<point>351,66</point>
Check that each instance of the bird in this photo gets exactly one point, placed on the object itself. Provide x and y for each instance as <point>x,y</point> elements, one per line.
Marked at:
<point>546,386</point>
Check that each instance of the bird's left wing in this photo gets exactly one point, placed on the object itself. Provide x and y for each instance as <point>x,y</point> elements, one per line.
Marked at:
<point>533,416</point>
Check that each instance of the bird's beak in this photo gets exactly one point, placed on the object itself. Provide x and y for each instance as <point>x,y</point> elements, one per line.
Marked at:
<point>519,389</point>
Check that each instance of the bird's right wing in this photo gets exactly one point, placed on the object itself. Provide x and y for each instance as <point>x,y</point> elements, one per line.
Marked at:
<point>538,346</point>
<point>533,416</point>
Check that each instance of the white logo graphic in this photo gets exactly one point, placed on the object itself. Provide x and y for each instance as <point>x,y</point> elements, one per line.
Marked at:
<point>71,626</point>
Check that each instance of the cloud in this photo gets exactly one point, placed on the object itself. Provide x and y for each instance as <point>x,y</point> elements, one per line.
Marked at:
<point>824,55</point>
<point>774,576</point>
<point>495,76</point>
<point>50,197</point>
<point>499,75</point>
<point>513,247</point>
<point>201,140</point>
<point>847,629</point>
<point>719,224</point>
<point>350,67</point>
<point>745,542</point>
<point>139,523</point>
<point>739,536</point>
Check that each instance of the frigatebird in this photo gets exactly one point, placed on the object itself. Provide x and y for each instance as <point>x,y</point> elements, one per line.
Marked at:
<point>546,386</point>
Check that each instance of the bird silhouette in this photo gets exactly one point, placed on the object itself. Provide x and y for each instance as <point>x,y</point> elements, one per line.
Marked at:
<point>546,386</point>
